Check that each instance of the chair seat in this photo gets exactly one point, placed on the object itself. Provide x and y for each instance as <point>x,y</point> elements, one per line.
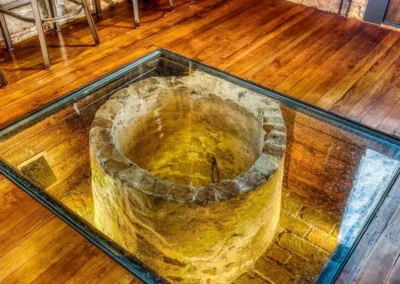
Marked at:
<point>73,14</point>
<point>55,19</point>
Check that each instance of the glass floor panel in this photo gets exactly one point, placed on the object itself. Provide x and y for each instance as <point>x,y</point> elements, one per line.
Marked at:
<point>326,184</point>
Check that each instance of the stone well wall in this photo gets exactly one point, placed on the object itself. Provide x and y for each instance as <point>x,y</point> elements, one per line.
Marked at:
<point>357,9</point>
<point>157,191</point>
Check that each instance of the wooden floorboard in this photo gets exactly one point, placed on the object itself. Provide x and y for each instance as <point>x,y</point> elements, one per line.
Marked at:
<point>38,247</point>
<point>342,65</point>
<point>375,259</point>
<point>300,51</point>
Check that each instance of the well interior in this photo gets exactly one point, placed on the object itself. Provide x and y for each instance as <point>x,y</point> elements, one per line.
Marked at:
<point>193,140</point>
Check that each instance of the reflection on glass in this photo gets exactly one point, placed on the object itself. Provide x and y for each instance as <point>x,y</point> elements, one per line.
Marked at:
<point>331,181</point>
<point>373,176</point>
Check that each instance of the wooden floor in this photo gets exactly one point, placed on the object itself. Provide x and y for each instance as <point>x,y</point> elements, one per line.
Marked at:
<point>342,65</point>
<point>38,247</point>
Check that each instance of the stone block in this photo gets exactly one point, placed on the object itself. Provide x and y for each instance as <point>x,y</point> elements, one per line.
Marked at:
<point>252,278</point>
<point>274,272</point>
<point>278,254</point>
<point>307,270</point>
<point>40,172</point>
<point>292,203</point>
<point>300,246</point>
<point>294,225</point>
<point>323,239</point>
<point>335,231</point>
<point>320,218</point>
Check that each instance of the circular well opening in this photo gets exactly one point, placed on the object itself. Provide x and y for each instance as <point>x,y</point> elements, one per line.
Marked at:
<point>193,140</point>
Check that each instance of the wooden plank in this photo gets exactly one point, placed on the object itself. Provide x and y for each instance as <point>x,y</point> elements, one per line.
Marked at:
<point>388,124</point>
<point>24,229</point>
<point>216,25</point>
<point>70,262</point>
<point>278,24</point>
<point>11,201</point>
<point>364,88</point>
<point>384,254</point>
<point>41,248</point>
<point>18,215</point>
<point>93,270</point>
<point>119,276</point>
<point>394,276</point>
<point>27,248</point>
<point>360,68</point>
<point>369,99</point>
<point>40,262</point>
<point>338,65</point>
<point>5,186</point>
<point>384,104</point>
<point>238,34</point>
<point>367,243</point>
<point>341,36</point>
<point>294,32</point>
<point>275,72</point>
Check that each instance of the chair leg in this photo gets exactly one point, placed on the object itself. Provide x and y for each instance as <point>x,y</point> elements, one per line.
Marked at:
<point>53,12</point>
<point>39,27</point>
<point>5,33</point>
<point>3,80</point>
<point>90,20</point>
<point>136,13</point>
<point>97,7</point>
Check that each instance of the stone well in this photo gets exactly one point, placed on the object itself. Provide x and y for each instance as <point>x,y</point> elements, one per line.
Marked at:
<point>187,175</point>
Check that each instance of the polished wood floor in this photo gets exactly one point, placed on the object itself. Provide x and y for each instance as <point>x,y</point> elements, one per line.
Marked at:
<point>342,65</point>
<point>38,247</point>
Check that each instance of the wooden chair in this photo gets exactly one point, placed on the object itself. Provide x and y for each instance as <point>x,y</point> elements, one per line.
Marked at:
<point>6,9</point>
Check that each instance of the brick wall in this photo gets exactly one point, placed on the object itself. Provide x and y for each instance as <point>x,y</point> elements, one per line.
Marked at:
<point>357,9</point>
<point>306,239</point>
<point>320,165</point>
